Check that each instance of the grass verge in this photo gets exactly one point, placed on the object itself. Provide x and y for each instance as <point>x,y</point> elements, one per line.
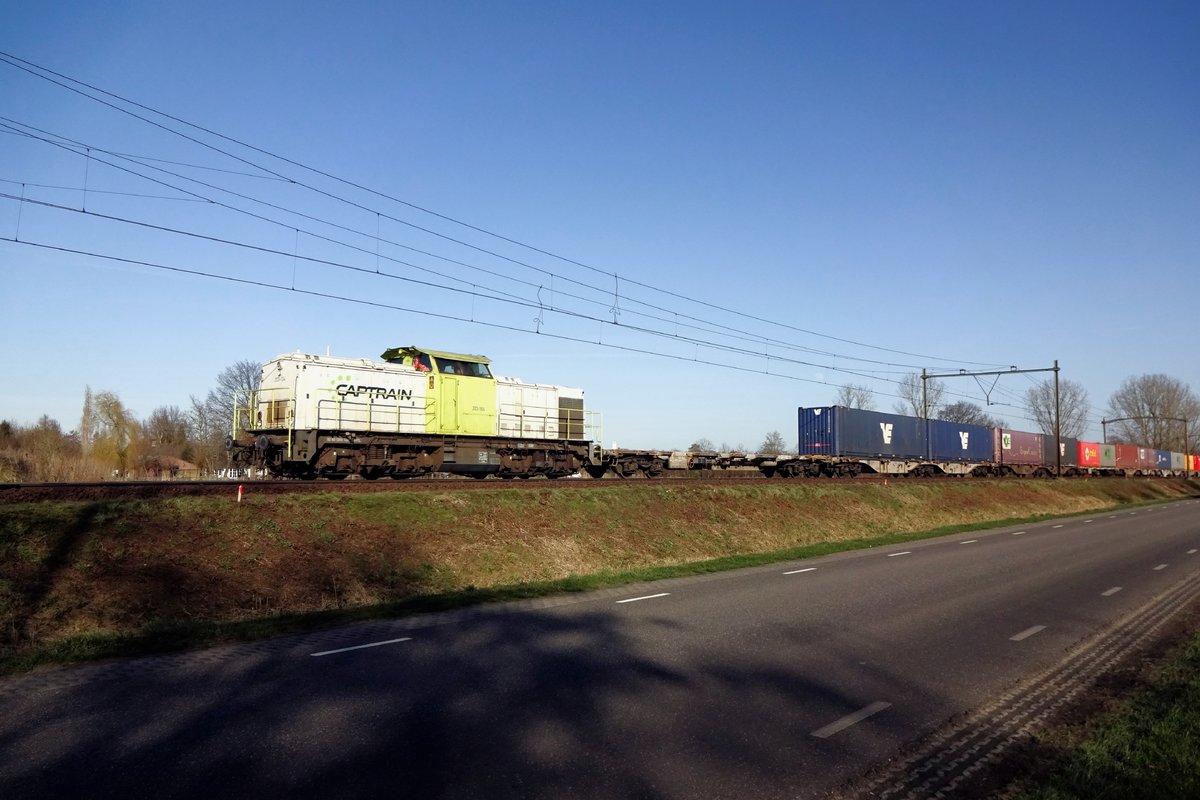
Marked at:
<point>1148,748</point>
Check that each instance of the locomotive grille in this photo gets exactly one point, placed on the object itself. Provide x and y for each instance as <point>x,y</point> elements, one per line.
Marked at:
<point>570,417</point>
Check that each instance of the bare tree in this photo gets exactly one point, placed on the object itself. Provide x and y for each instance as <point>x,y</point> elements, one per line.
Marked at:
<point>702,445</point>
<point>773,444</point>
<point>1073,404</point>
<point>912,397</point>
<point>235,381</point>
<point>1150,404</point>
<point>854,396</point>
<point>211,419</point>
<point>968,413</point>
<point>166,432</point>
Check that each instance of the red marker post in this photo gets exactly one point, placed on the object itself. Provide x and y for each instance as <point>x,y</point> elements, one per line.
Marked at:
<point>239,492</point>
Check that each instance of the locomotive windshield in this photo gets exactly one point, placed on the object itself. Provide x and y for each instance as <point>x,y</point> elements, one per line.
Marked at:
<point>472,369</point>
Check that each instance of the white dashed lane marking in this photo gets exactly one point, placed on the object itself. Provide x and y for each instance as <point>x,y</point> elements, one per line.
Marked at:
<point>1025,634</point>
<point>360,647</point>
<point>798,571</point>
<point>1192,552</point>
<point>645,597</point>
<point>969,541</point>
<point>1058,526</point>
<point>901,553</point>
<point>1111,591</point>
<point>1160,566</point>
<point>850,719</point>
<point>1018,533</point>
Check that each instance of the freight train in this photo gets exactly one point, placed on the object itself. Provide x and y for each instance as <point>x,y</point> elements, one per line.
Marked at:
<point>420,412</point>
<point>846,441</point>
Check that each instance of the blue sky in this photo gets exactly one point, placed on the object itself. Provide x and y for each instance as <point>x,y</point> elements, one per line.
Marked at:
<point>934,184</point>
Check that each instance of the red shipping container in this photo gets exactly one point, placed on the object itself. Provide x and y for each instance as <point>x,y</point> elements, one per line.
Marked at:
<point>1089,454</point>
<point>1017,447</point>
<point>1127,456</point>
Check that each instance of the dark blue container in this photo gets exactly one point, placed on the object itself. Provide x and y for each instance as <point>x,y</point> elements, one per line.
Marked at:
<point>1162,459</point>
<point>1068,450</point>
<point>838,431</point>
<point>956,441</point>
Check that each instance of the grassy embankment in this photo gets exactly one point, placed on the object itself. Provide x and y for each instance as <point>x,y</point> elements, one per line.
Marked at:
<point>91,579</point>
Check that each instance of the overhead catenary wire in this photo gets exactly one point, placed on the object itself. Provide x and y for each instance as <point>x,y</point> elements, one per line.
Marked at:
<point>372,272</point>
<point>405,309</point>
<point>71,145</point>
<point>38,70</point>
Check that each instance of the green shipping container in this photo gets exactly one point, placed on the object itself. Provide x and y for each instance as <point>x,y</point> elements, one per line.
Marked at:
<point>1108,455</point>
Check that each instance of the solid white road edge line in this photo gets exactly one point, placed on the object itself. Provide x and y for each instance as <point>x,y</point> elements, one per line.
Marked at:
<point>361,646</point>
<point>646,597</point>
<point>798,571</point>
<point>1025,634</point>
<point>850,719</point>
<point>1111,591</point>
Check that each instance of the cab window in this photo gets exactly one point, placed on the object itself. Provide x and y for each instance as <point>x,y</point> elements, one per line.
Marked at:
<point>472,369</point>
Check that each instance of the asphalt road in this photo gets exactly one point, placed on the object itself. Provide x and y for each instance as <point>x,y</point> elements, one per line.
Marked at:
<point>782,681</point>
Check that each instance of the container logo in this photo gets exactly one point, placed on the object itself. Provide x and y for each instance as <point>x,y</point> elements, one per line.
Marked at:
<point>1006,441</point>
<point>964,435</point>
<point>886,428</point>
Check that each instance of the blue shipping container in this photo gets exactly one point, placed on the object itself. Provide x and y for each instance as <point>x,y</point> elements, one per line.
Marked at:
<point>1068,451</point>
<point>838,431</point>
<point>1162,459</point>
<point>956,441</point>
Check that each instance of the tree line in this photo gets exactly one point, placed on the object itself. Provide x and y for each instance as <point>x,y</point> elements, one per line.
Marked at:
<point>1153,410</point>
<point>112,441</point>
